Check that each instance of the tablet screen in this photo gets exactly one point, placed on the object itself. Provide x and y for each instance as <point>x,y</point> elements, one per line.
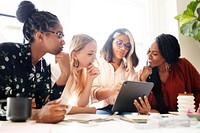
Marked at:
<point>130,91</point>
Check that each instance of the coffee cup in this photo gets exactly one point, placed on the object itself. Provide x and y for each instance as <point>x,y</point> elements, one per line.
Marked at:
<point>18,109</point>
<point>3,109</point>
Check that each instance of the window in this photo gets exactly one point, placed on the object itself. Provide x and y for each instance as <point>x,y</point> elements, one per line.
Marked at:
<point>97,18</point>
<point>11,28</point>
<point>9,24</point>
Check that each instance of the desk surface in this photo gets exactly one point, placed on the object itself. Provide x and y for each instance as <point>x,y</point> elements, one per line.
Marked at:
<point>113,125</point>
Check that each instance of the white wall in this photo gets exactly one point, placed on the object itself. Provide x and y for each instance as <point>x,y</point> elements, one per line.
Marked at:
<point>189,46</point>
<point>162,14</point>
<point>160,19</point>
<point>99,18</point>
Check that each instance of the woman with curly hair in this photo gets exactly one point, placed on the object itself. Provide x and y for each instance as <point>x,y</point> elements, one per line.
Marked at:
<point>23,70</point>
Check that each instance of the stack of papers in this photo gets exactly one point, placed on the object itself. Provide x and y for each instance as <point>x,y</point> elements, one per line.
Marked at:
<point>85,118</point>
<point>135,118</point>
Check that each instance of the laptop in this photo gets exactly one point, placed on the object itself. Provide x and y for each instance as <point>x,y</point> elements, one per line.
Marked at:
<point>129,91</point>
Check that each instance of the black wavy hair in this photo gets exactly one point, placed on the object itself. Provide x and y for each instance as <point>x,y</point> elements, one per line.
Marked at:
<point>170,49</point>
<point>34,20</point>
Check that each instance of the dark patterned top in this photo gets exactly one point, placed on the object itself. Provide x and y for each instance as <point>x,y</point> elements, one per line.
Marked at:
<point>19,78</point>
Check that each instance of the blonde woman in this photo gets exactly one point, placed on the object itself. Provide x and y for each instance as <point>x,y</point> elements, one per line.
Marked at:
<point>76,94</point>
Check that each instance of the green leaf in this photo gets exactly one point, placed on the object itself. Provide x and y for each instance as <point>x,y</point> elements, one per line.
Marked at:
<point>190,29</point>
<point>195,31</point>
<point>188,12</point>
<point>197,37</point>
<point>191,8</point>
<point>189,21</point>
<point>198,13</point>
<point>182,19</point>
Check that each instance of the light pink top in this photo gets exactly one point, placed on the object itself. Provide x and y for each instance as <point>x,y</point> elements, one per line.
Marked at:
<point>108,79</point>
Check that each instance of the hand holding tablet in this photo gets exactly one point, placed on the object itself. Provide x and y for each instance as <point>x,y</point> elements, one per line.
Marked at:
<point>130,91</point>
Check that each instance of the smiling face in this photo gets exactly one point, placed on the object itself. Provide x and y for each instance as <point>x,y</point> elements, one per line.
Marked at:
<point>154,56</point>
<point>120,50</point>
<point>87,55</point>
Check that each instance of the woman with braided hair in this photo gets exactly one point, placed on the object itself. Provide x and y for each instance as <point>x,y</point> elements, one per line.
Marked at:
<point>170,74</point>
<point>23,70</point>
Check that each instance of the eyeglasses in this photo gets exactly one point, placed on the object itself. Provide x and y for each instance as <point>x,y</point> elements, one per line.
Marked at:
<point>59,34</point>
<point>120,44</point>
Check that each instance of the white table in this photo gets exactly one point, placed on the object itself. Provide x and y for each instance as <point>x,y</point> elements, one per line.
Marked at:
<point>112,126</point>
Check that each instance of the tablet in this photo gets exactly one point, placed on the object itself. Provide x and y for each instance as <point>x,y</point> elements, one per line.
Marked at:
<point>129,91</point>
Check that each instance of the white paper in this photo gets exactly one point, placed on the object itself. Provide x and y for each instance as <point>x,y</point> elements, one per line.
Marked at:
<point>87,118</point>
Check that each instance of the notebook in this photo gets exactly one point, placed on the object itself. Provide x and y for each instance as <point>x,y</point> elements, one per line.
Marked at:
<point>129,91</point>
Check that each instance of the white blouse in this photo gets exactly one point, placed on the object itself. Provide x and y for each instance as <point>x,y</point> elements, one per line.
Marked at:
<point>67,99</point>
<point>108,78</point>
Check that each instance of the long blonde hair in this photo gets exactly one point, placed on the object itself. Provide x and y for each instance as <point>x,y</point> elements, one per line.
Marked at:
<point>77,79</point>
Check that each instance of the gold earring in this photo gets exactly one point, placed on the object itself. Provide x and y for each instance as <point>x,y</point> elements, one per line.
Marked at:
<point>167,66</point>
<point>76,63</point>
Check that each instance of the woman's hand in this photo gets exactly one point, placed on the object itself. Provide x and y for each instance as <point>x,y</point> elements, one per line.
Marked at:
<point>92,72</point>
<point>145,73</point>
<point>117,87</point>
<point>78,110</point>
<point>64,62</point>
<point>143,107</point>
<point>52,112</point>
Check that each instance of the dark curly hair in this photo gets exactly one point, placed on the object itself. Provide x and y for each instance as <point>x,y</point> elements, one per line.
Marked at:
<point>34,20</point>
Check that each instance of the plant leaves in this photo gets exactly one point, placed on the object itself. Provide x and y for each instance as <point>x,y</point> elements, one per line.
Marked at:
<point>198,13</point>
<point>183,19</point>
<point>191,8</point>
<point>189,21</point>
<point>190,28</point>
<point>197,37</point>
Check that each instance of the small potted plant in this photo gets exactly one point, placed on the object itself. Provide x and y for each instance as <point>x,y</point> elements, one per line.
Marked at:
<point>189,21</point>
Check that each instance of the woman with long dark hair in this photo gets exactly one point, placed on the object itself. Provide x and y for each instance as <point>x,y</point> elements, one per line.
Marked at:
<point>170,74</point>
<point>117,63</point>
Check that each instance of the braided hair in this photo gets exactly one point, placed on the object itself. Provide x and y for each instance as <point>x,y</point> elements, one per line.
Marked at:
<point>34,20</point>
<point>170,49</point>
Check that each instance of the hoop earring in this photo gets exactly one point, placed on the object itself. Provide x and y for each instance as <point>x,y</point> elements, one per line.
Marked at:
<point>167,66</point>
<point>76,63</point>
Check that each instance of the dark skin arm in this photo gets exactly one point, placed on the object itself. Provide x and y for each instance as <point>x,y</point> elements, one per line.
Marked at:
<point>144,108</point>
<point>52,112</point>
